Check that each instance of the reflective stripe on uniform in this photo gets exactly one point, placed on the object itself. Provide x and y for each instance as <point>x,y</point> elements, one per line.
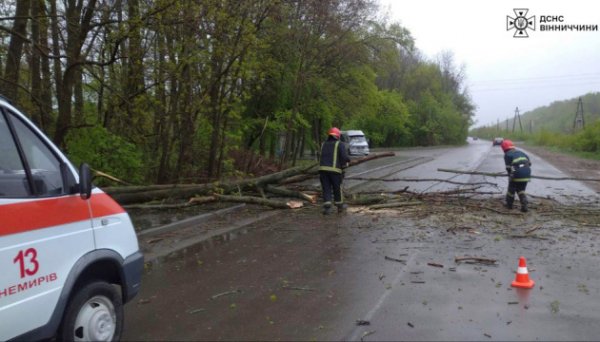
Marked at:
<point>335,149</point>
<point>329,168</point>
<point>518,160</point>
<point>521,179</point>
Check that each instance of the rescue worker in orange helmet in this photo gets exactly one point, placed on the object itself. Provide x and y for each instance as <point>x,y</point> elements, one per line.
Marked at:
<point>334,158</point>
<point>518,167</point>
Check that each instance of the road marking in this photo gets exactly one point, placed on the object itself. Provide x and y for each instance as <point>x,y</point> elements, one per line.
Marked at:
<point>391,165</point>
<point>356,334</point>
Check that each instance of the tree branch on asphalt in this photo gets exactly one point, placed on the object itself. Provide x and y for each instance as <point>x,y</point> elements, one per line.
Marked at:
<point>504,174</point>
<point>227,293</point>
<point>394,205</point>
<point>370,157</point>
<point>491,209</point>
<point>259,201</point>
<point>394,259</point>
<point>526,236</point>
<point>291,193</point>
<point>383,179</point>
<point>532,230</point>
<point>285,287</point>
<point>478,260</point>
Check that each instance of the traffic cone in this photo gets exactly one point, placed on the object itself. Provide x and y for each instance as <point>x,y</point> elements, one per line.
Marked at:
<point>522,280</point>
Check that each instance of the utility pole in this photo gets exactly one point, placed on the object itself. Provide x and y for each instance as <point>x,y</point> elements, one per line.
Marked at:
<point>579,122</point>
<point>531,127</point>
<point>507,124</point>
<point>517,116</point>
<point>497,125</point>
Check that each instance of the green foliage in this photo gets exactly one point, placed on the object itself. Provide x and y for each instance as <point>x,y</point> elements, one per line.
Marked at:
<point>388,125</point>
<point>588,140</point>
<point>554,127</point>
<point>105,152</point>
<point>179,86</point>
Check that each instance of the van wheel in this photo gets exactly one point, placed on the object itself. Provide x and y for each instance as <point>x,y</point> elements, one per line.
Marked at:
<point>95,313</point>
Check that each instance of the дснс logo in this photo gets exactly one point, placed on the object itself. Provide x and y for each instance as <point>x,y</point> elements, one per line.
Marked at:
<point>521,23</point>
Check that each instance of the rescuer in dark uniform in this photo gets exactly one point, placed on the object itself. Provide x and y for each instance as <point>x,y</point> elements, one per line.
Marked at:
<point>518,167</point>
<point>334,158</point>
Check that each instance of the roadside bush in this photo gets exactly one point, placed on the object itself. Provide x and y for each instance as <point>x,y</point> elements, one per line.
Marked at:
<point>588,140</point>
<point>105,152</point>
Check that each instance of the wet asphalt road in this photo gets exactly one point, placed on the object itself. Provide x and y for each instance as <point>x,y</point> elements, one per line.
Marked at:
<point>302,276</point>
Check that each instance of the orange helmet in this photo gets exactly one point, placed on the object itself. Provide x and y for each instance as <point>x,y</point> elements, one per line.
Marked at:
<point>335,132</point>
<point>507,145</point>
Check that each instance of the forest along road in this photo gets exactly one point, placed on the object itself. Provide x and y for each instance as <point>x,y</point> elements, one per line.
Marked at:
<point>393,274</point>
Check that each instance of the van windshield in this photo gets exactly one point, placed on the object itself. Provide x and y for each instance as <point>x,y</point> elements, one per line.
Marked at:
<point>358,139</point>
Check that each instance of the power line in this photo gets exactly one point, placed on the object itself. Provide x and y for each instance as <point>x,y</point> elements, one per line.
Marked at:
<point>532,86</point>
<point>541,78</point>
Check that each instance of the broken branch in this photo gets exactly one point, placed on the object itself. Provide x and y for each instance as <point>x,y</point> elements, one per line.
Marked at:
<point>417,180</point>
<point>504,174</point>
<point>475,259</point>
<point>394,259</point>
<point>394,205</point>
<point>256,200</point>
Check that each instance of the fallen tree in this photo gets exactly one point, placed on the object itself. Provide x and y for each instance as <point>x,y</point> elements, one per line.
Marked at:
<point>141,194</point>
<point>127,195</point>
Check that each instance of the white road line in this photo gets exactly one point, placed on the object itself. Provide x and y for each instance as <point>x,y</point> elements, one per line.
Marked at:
<point>357,332</point>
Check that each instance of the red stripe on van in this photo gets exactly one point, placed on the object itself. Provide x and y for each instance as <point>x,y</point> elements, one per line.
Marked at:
<point>26,216</point>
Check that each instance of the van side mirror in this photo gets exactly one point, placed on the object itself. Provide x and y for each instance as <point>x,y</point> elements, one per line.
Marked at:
<point>85,181</point>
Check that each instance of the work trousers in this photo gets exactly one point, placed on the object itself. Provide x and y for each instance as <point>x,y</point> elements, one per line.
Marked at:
<point>516,187</point>
<point>331,182</point>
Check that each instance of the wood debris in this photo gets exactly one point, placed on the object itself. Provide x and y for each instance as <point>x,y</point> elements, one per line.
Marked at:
<point>227,293</point>
<point>475,260</point>
<point>394,259</point>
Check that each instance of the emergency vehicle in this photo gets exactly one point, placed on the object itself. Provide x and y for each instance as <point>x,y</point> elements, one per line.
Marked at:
<point>69,255</point>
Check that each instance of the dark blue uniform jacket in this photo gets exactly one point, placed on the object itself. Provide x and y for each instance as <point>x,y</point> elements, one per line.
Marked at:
<point>518,165</point>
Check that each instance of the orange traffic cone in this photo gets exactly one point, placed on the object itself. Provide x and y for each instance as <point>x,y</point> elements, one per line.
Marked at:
<point>522,280</point>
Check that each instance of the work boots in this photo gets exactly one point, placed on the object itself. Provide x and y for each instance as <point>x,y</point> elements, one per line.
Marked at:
<point>509,202</point>
<point>341,207</point>
<point>523,200</point>
<point>327,209</point>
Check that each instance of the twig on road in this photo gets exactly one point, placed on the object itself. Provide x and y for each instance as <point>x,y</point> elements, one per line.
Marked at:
<point>297,288</point>
<point>532,230</point>
<point>227,293</point>
<point>486,261</point>
<point>504,174</point>
<point>394,205</point>
<point>526,236</point>
<point>439,180</point>
<point>394,259</point>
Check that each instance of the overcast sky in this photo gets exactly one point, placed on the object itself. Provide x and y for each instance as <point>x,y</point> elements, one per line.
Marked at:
<point>504,72</point>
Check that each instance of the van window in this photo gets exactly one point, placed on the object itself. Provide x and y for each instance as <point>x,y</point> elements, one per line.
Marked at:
<point>358,139</point>
<point>11,168</point>
<point>44,166</point>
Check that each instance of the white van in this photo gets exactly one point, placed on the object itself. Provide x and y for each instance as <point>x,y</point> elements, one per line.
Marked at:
<point>356,142</point>
<point>69,255</point>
